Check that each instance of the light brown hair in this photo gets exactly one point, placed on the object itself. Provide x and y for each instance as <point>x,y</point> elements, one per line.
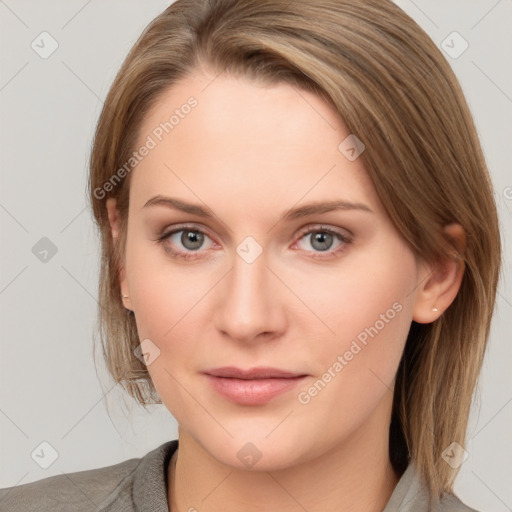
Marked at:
<point>393,88</point>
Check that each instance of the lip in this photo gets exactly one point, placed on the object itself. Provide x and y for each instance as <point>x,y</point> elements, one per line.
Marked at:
<point>254,386</point>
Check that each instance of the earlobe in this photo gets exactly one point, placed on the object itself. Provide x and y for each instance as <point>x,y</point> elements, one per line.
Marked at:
<point>442,280</point>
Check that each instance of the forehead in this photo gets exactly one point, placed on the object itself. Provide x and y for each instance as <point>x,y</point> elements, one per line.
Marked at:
<point>230,137</point>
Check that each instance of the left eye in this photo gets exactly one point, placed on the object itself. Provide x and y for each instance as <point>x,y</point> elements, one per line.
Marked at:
<point>323,239</point>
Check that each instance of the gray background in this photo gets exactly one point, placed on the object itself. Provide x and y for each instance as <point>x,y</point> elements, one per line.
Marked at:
<point>50,391</point>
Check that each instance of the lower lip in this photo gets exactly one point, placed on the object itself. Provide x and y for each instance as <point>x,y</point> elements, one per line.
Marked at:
<point>254,391</point>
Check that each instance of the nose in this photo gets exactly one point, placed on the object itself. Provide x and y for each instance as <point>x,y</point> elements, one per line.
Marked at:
<point>249,306</point>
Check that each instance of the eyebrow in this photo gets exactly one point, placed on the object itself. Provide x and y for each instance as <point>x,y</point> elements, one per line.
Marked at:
<point>294,213</point>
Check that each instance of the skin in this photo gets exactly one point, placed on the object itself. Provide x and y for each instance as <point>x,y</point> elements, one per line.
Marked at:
<point>250,153</point>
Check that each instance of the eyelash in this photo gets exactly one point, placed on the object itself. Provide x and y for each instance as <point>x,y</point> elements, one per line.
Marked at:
<point>194,254</point>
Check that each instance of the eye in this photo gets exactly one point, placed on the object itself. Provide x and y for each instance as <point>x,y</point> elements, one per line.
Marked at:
<point>322,240</point>
<point>188,240</point>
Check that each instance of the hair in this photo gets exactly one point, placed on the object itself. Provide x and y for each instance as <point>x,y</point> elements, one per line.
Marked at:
<point>396,92</point>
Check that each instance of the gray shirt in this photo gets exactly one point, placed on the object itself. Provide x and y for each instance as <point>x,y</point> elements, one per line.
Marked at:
<point>140,485</point>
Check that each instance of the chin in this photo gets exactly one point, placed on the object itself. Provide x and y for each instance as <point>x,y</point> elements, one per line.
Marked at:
<point>252,450</point>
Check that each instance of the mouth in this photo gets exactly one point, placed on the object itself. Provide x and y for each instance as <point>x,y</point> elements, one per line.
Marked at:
<point>253,386</point>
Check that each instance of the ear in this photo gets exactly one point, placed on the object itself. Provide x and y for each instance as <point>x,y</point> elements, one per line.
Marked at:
<point>113,218</point>
<point>441,281</point>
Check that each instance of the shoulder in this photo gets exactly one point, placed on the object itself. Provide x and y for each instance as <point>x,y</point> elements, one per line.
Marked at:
<point>79,491</point>
<point>128,486</point>
<point>412,495</point>
<point>450,503</point>
<point>109,488</point>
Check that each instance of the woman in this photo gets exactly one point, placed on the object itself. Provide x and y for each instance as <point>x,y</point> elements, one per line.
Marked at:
<point>300,260</point>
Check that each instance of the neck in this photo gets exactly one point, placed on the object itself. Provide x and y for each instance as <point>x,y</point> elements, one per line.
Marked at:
<point>316,487</point>
<point>337,480</point>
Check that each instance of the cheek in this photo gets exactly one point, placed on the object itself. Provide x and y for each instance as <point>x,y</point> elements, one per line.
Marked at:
<point>169,300</point>
<point>368,309</point>
<point>162,293</point>
<point>165,299</point>
<point>367,296</point>
<point>355,372</point>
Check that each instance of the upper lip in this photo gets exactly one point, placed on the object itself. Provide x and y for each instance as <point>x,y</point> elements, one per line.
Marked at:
<point>252,373</point>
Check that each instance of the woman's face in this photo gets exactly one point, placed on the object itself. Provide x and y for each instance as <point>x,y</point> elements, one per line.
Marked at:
<point>331,307</point>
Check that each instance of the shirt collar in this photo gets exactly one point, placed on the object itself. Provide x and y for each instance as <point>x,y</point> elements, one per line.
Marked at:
<point>410,494</point>
<point>150,479</point>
